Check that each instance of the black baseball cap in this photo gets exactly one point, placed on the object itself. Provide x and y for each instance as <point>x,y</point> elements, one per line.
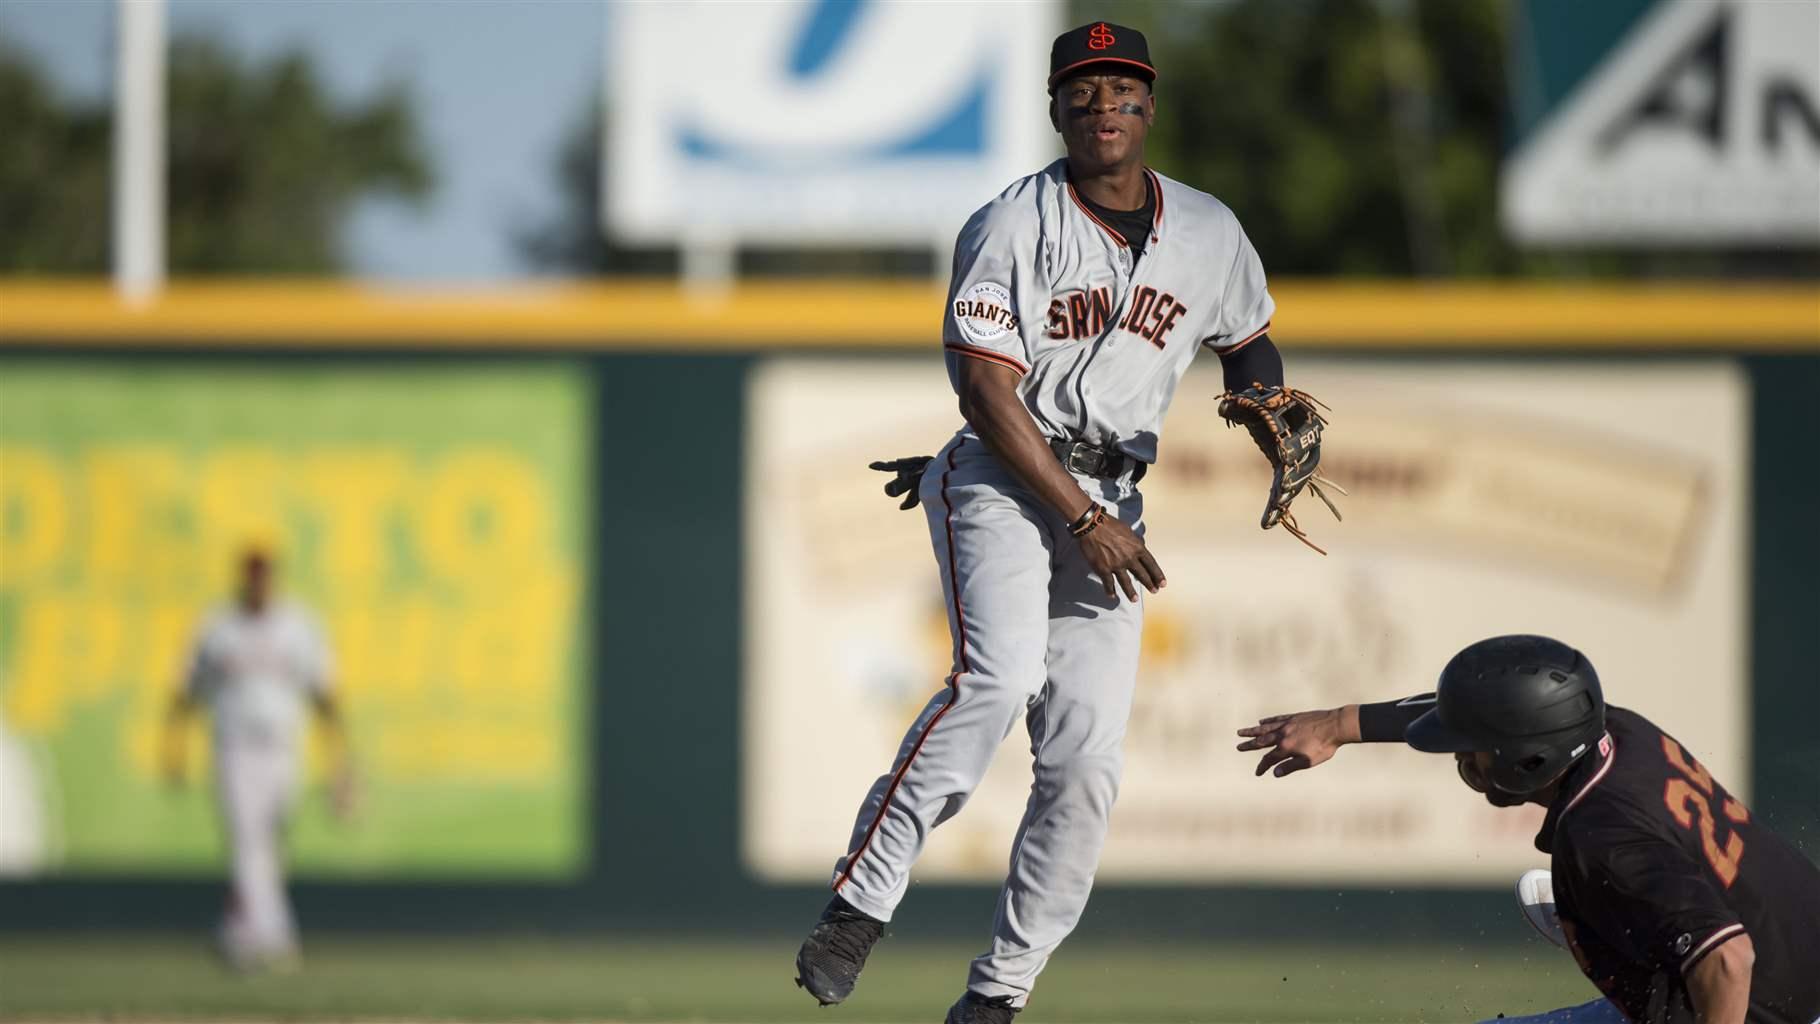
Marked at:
<point>1100,43</point>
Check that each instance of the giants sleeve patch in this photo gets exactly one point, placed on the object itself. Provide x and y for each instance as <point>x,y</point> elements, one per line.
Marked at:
<point>984,313</point>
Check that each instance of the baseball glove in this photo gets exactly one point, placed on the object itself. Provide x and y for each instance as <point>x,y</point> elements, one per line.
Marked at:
<point>1286,424</point>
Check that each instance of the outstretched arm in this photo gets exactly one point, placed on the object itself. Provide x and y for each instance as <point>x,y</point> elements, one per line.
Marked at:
<point>1308,738</point>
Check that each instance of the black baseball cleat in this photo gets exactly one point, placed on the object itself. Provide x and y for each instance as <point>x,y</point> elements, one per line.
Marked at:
<point>974,1008</point>
<point>832,956</point>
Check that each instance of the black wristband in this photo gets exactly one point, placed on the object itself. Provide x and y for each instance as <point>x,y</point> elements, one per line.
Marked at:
<point>1386,722</point>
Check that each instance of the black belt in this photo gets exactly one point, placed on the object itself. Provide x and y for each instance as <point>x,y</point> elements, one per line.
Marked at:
<point>1092,460</point>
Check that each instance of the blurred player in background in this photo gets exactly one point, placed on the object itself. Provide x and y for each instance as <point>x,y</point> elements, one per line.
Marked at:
<point>1674,901</point>
<point>256,665</point>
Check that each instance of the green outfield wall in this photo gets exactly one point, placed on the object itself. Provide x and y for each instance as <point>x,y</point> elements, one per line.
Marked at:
<point>652,513</point>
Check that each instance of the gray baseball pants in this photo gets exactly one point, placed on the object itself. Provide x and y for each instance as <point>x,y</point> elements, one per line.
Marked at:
<point>1035,637</point>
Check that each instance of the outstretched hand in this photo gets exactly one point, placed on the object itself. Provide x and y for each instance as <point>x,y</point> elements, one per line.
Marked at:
<point>908,480</point>
<point>1302,740</point>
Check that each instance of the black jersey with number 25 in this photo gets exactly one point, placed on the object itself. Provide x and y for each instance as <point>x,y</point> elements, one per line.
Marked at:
<point>1656,866</point>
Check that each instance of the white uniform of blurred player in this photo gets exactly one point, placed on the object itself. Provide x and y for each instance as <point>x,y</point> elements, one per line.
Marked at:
<point>27,840</point>
<point>256,665</point>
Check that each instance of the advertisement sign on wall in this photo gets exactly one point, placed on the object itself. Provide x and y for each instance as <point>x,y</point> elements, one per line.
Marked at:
<point>1477,508</point>
<point>829,120</point>
<point>1682,122</point>
<point>431,520</point>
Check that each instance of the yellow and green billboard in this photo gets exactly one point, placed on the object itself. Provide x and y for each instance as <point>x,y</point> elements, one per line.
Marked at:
<point>432,516</point>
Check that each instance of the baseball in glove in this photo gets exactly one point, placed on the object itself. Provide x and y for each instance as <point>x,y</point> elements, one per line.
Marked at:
<point>1286,424</point>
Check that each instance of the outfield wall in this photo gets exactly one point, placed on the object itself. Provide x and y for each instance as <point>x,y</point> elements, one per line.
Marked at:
<point>674,820</point>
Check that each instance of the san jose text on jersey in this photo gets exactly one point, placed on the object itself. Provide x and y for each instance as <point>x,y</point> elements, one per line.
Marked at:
<point>1150,314</point>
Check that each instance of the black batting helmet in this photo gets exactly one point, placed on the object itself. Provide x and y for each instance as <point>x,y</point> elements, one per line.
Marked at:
<point>1533,703</point>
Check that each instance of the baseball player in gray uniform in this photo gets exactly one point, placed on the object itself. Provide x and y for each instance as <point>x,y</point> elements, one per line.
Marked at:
<point>256,665</point>
<point>1079,297</point>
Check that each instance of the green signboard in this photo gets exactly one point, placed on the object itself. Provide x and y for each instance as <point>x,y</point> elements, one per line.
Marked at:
<point>433,519</point>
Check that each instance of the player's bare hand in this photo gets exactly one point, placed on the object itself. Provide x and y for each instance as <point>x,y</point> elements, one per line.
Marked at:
<point>909,478</point>
<point>1120,559</point>
<point>1302,740</point>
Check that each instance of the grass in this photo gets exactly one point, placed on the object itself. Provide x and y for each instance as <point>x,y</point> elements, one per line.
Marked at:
<point>734,982</point>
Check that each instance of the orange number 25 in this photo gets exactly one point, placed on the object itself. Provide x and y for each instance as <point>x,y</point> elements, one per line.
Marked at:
<point>1689,797</point>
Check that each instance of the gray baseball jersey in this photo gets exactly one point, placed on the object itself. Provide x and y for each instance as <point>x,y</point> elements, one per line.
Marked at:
<point>1100,340</point>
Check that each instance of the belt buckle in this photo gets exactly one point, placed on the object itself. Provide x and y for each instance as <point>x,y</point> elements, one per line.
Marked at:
<point>1077,459</point>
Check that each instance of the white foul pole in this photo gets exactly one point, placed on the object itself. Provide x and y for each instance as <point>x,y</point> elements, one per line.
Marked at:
<point>139,153</point>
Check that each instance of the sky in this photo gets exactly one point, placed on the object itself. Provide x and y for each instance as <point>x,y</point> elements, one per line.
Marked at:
<point>497,84</point>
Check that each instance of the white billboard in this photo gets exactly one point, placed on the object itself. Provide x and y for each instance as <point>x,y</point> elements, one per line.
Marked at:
<point>1701,126</point>
<point>1477,508</point>
<point>821,120</point>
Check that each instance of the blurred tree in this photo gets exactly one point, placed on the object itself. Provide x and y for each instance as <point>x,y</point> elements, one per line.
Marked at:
<point>53,176</point>
<point>264,168</point>
<point>1352,136</point>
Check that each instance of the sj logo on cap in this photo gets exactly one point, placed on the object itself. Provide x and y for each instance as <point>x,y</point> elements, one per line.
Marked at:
<point>1101,37</point>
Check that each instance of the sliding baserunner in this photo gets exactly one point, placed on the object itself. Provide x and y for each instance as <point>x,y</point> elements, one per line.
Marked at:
<point>1674,901</point>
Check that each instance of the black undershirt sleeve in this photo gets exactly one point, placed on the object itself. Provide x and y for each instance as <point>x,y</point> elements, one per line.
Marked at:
<point>1385,722</point>
<point>1258,361</point>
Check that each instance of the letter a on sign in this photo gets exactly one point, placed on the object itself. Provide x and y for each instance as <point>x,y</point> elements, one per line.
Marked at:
<point>1700,126</point>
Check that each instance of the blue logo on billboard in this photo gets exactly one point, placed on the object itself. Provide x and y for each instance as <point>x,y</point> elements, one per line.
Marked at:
<point>956,129</point>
